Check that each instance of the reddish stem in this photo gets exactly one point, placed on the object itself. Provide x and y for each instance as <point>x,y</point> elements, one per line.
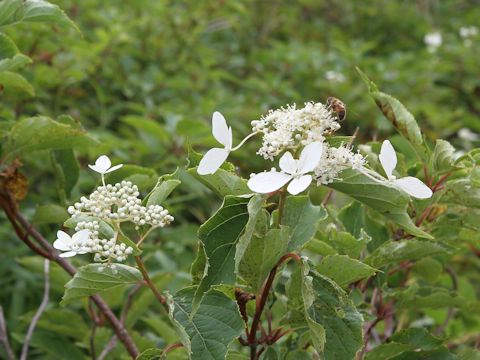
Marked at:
<point>172,347</point>
<point>440,181</point>
<point>161,299</point>
<point>261,300</point>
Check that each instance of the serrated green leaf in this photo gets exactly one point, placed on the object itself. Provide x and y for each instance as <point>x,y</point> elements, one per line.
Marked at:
<point>256,225</point>
<point>419,338</point>
<point>43,133</point>
<point>33,11</point>
<point>335,324</point>
<point>397,114</point>
<point>461,192</point>
<point>219,236</point>
<point>320,247</point>
<point>67,169</point>
<point>437,354</point>
<point>215,324</point>
<point>346,244</point>
<point>302,217</point>
<point>8,10</point>
<point>94,278</point>
<point>387,351</point>
<point>162,191</point>
<point>397,251</point>
<point>199,266</point>
<point>381,196</point>
<point>429,297</point>
<point>222,183</point>
<point>344,270</point>
<point>15,82</point>
<point>352,217</point>
<point>14,63</point>
<point>443,156</point>
<point>475,177</point>
<point>261,256</point>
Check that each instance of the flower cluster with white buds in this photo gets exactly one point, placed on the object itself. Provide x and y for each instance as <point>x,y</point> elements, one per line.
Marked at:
<point>104,249</point>
<point>113,204</point>
<point>288,128</point>
<point>120,203</point>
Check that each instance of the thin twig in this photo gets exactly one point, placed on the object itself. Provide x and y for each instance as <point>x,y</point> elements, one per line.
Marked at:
<point>109,347</point>
<point>41,309</point>
<point>149,281</point>
<point>172,347</point>
<point>4,336</point>
<point>366,337</point>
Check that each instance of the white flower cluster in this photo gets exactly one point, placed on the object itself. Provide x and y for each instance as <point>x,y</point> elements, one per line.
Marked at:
<point>433,40</point>
<point>289,128</point>
<point>103,249</point>
<point>120,203</point>
<point>334,161</point>
<point>113,204</point>
<point>467,33</point>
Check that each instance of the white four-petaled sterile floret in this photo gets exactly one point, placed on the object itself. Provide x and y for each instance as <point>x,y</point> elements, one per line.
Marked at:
<point>295,172</point>
<point>73,245</point>
<point>214,158</point>
<point>411,185</point>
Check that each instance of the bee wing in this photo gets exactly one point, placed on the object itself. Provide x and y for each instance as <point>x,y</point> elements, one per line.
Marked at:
<point>414,187</point>
<point>388,158</point>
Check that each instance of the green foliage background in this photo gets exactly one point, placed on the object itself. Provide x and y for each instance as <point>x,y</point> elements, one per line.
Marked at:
<point>144,77</point>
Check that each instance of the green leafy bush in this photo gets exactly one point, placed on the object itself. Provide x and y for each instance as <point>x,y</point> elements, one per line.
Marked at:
<point>351,248</point>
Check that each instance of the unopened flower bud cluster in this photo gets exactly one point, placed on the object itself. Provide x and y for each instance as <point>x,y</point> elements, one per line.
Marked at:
<point>114,204</point>
<point>104,249</point>
<point>289,128</point>
<point>120,203</point>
